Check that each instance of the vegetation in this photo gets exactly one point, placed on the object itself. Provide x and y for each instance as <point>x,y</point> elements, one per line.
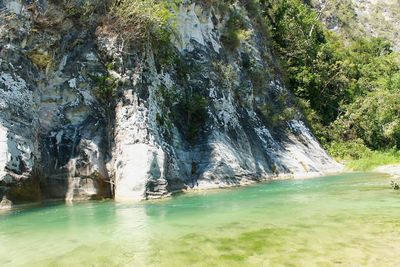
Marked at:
<point>139,20</point>
<point>360,158</point>
<point>235,31</point>
<point>105,89</point>
<point>41,59</point>
<point>84,9</point>
<point>338,14</point>
<point>350,16</point>
<point>228,74</point>
<point>349,89</point>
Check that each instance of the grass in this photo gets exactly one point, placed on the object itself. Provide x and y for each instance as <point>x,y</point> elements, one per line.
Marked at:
<point>139,20</point>
<point>358,157</point>
<point>373,160</point>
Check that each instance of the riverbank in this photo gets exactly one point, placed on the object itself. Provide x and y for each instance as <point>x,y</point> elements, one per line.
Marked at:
<point>394,171</point>
<point>202,186</point>
<point>389,169</point>
<point>366,160</point>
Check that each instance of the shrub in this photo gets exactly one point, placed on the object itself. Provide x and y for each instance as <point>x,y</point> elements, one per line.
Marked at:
<point>349,150</point>
<point>375,118</point>
<point>252,7</point>
<point>84,9</point>
<point>41,59</point>
<point>258,76</point>
<point>227,74</point>
<point>139,20</point>
<point>105,88</point>
<point>350,90</point>
<point>235,31</point>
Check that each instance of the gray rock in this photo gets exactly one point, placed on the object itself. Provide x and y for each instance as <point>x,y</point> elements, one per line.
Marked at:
<point>234,146</point>
<point>5,203</point>
<point>195,124</point>
<point>395,183</point>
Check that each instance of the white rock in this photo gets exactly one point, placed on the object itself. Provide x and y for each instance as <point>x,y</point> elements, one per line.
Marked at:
<point>3,151</point>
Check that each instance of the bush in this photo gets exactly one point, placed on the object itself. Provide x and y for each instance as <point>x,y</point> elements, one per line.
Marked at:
<point>359,157</point>
<point>375,118</point>
<point>258,76</point>
<point>41,59</point>
<point>235,31</point>
<point>227,74</point>
<point>141,20</point>
<point>349,150</point>
<point>85,9</point>
<point>105,88</point>
<point>350,89</point>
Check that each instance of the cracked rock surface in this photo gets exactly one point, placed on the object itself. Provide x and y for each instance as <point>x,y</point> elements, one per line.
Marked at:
<point>198,123</point>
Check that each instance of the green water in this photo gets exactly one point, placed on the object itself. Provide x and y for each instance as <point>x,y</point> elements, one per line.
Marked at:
<point>346,220</point>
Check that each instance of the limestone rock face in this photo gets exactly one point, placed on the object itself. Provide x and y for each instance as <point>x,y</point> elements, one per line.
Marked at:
<point>380,18</point>
<point>214,118</point>
<point>236,143</point>
<point>52,129</point>
<point>358,18</point>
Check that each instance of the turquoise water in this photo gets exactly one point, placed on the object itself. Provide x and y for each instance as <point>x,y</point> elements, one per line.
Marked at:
<point>345,220</point>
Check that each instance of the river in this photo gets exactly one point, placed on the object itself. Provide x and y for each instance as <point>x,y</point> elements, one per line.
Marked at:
<point>343,220</point>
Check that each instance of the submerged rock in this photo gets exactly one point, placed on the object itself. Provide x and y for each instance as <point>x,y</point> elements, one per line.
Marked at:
<point>86,115</point>
<point>395,183</point>
<point>5,203</point>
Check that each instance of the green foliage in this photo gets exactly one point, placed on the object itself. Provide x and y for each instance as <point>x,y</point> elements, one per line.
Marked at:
<point>165,53</point>
<point>338,13</point>
<point>307,57</point>
<point>277,115</point>
<point>349,90</point>
<point>138,20</point>
<point>353,150</point>
<point>252,7</point>
<point>372,110</point>
<point>375,118</point>
<point>375,159</point>
<point>145,24</point>
<point>227,73</point>
<point>380,16</point>
<point>190,109</point>
<point>105,89</point>
<point>169,98</point>
<point>235,31</point>
<point>358,157</point>
<point>84,9</point>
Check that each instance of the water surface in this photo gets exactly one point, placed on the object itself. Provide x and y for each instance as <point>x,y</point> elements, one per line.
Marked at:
<point>345,220</point>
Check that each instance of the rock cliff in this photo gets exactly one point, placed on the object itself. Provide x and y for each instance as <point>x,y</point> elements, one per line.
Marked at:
<point>358,18</point>
<point>85,115</point>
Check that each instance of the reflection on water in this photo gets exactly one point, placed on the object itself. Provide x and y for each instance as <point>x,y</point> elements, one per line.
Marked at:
<point>346,220</point>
